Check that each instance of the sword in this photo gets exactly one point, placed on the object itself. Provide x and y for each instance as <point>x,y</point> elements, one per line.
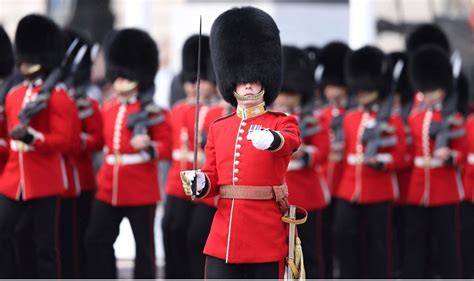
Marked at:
<point>196,122</point>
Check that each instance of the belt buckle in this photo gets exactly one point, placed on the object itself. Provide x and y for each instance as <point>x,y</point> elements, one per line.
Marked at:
<point>20,146</point>
<point>427,162</point>
<point>118,158</point>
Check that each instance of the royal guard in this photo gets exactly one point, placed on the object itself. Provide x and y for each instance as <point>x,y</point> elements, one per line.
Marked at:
<point>136,135</point>
<point>403,107</point>
<point>374,145</point>
<point>248,152</point>
<point>307,187</point>
<point>186,224</point>
<point>435,190</point>
<point>6,82</point>
<point>467,207</point>
<point>332,83</point>
<point>77,200</point>
<point>38,121</point>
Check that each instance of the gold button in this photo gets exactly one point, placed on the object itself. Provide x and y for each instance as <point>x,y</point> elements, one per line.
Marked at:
<point>239,138</point>
<point>236,179</point>
<point>236,171</point>
<point>241,131</point>
<point>243,124</point>
<point>237,154</point>
<point>236,162</point>
<point>239,146</point>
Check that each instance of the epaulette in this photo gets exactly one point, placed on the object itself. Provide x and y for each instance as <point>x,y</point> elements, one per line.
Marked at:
<point>60,86</point>
<point>223,117</point>
<point>278,113</point>
<point>15,88</point>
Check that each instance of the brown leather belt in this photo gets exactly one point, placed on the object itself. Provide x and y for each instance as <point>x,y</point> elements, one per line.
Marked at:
<point>247,192</point>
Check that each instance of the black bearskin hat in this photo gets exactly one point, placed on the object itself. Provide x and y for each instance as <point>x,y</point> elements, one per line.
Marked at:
<point>403,86</point>
<point>331,62</point>
<point>430,69</point>
<point>6,54</point>
<point>313,53</point>
<point>297,73</point>
<point>83,72</point>
<point>132,54</point>
<point>190,60</point>
<point>368,69</point>
<point>463,95</point>
<point>38,40</point>
<point>245,47</point>
<point>426,34</point>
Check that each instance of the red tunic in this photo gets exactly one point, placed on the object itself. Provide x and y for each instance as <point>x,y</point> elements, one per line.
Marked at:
<point>37,170</point>
<point>334,166</point>
<point>361,183</point>
<point>4,142</point>
<point>72,185</point>
<point>127,177</point>
<point>248,231</point>
<point>91,142</point>
<point>307,185</point>
<point>438,185</point>
<point>469,165</point>
<point>181,152</point>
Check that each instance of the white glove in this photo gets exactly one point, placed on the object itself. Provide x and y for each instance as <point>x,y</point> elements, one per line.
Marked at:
<point>188,177</point>
<point>261,139</point>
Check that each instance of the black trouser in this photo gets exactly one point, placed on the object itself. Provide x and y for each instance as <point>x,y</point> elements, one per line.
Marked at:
<point>218,269</point>
<point>362,240</point>
<point>103,230</point>
<point>44,213</point>
<point>398,220</point>
<point>311,235</point>
<point>198,231</point>
<point>424,224</point>
<point>75,214</point>
<point>467,239</point>
<point>175,225</point>
<point>328,240</point>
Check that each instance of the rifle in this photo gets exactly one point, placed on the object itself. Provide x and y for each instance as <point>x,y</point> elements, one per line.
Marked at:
<point>308,124</point>
<point>442,129</point>
<point>373,136</point>
<point>139,121</point>
<point>37,105</point>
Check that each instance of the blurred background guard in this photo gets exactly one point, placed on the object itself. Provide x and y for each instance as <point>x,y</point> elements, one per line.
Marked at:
<point>6,83</point>
<point>435,188</point>
<point>307,187</point>
<point>368,186</point>
<point>186,224</point>
<point>76,206</point>
<point>403,107</point>
<point>39,124</point>
<point>136,134</point>
<point>332,86</point>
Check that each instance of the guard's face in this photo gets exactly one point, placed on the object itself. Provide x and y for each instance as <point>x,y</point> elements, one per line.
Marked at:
<point>124,86</point>
<point>29,69</point>
<point>335,93</point>
<point>207,89</point>
<point>286,102</point>
<point>366,98</point>
<point>434,96</point>
<point>249,89</point>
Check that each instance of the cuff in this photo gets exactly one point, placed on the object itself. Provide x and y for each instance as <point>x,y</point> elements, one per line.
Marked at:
<point>278,141</point>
